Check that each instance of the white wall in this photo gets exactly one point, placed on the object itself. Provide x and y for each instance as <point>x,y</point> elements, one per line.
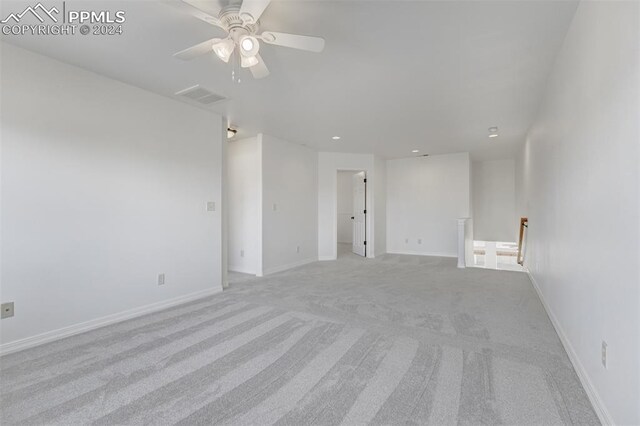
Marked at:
<point>245,205</point>
<point>104,186</point>
<point>345,207</point>
<point>290,182</point>
<point>494,202</point>
<point>380,205</point>
<point>328,165</point>
<point>425,196</point>
<point>581,193</point>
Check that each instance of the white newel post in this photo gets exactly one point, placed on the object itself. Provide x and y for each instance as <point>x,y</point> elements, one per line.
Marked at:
<point>461,237</point>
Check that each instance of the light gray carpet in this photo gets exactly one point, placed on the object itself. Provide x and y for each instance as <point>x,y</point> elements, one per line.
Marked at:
<point>395,340</point>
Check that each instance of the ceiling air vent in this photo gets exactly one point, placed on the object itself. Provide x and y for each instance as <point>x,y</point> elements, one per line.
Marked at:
<point>200,95</point>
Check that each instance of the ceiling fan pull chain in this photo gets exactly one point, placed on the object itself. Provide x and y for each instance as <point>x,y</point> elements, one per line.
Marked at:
<point>235,67</point>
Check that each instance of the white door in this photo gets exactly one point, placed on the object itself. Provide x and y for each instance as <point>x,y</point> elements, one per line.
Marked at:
<point>359,214</point>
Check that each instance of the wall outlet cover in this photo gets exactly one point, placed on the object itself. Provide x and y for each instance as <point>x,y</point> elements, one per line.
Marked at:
<point>7,310</point>
<point>160,279</point>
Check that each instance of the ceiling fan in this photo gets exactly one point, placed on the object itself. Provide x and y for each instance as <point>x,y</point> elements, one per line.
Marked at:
<point>240,21</point>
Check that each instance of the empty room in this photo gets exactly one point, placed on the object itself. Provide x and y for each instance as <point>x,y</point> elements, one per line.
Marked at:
<point>329,212</point>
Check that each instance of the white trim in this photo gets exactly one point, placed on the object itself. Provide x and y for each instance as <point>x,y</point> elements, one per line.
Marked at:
<point>289,266</point>
<point>50,336</point>
<point>241,269</point>
<point>327,258</point>
<point>597,403</point>
<point>420,253</point>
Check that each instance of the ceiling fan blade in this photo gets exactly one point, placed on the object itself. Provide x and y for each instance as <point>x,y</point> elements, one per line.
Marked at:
<point>251,10</point>
<point>212,7</point>
<point>205,10</point>
<point>312,44</point>
<point>259,70</point>
<point>197,50</point>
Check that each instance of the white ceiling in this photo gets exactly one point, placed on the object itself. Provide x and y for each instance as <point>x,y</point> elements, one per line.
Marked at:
<point>394,76</point>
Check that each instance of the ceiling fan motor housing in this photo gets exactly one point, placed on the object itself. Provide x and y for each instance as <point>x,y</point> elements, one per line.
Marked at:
<point>235,26</point>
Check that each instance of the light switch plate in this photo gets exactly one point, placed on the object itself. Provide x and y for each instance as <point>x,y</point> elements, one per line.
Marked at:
<point>160,279</point>
<point>211,206</point>
<point>7,310</point>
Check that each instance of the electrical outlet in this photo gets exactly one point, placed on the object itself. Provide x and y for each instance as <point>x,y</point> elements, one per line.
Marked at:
<point>298,249</point>
<point>7,310</point>
<point>275,207</point>
<point>241,253</point>
<point>406,241</point>
<point>419,240</point>
<point>604,354</point>
<point>211,206</point>
<point>160,279</point>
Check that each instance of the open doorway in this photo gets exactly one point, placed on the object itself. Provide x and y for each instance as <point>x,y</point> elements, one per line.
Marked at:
<point>352,213</point>
<point>496,255</point>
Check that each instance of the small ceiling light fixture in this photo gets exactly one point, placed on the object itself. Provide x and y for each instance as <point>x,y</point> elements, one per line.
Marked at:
<point>223,48</point>
<point>248,61</point>
<point>231,132</point>
<point>493,132</point>
<point>249,46</point>
<point>415,151</point>
<point>335,138</point>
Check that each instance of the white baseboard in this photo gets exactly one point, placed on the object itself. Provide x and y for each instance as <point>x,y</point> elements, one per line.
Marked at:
<point>594,397</point>
<point>241,269</point>
<point>288,266</point>
<point>50,336</point>
<point>420,253</point>
<point>326,258</point>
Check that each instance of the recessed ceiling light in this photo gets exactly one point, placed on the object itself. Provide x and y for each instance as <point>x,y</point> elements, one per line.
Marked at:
<point>415,151</point>
<point>335,138</point>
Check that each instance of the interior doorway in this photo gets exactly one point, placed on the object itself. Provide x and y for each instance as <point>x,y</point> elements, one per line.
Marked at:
<point>352,213</point>
<point>496,255</point>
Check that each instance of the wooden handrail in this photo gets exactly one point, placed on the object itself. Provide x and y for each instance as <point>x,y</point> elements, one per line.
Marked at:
<point>524,223</point>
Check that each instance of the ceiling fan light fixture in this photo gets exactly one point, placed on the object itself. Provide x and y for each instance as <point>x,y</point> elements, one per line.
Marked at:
<point>223,49</point>
<point>249,46</point>
<point>248,61</point>
<point>493,132</point>
<point>240,20</point>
